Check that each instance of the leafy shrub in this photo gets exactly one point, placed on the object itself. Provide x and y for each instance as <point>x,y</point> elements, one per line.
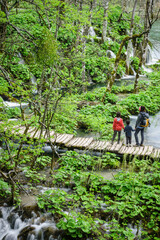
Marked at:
<point>4,189</point>
<point>12,112</point>
<point>76,225</point>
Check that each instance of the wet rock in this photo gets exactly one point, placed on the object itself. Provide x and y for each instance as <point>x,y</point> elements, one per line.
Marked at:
<point>24,232</point>
<point>29,205</point>
<point>52,232</point>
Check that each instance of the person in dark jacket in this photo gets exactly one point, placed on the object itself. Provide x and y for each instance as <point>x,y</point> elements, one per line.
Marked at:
<point>138,127</point>
<point>117,126</point>
<point>128,132</point>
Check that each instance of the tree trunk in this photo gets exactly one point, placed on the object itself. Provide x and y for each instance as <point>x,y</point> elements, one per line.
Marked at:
<point>59,17</point>
<point>118,57</point>
<point>104,30</point>
<point>130,47</point>
<point>3,25</point>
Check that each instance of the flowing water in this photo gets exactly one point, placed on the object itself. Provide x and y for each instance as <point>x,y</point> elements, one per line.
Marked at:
<point>154,37</point>
<point>12,227</point>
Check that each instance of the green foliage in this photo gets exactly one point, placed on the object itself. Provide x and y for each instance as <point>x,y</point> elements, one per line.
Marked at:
<point>121,70</point>
<point>21,72</point>
<point>72,159</point>
<point>135,63</point>
<point>42,162</point>
<point>66,37</point>
<point>154,76</point>
<point>132,195</point>
<point>47,49</point>
<point>128,198</point>
<point>118,23</point>
<point>33,176</point>
<point>150,99</point>
<point>12,112</point>
<point>109,160</point>
<point>3,86</point>
<point>123,89</point>
<point>76,224</point>
<point>4,189</point>
<point>98,65</point>
<point>3,18</point>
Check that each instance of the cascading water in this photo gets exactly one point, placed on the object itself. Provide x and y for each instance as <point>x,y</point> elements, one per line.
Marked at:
<point>12,227</point>
<point>154,51</point>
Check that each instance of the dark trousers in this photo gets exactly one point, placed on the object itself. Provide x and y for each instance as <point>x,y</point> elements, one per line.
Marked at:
<point>115,134</point>
<point>136,135</point>
<point>128,140</point>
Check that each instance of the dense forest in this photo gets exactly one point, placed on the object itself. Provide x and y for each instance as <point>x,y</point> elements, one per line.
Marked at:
<point>63,63</point>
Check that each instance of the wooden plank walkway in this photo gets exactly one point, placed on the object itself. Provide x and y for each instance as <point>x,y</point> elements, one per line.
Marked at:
<point>71,142</point>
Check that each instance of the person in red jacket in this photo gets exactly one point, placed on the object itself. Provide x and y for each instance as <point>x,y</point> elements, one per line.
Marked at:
<point>117,126</point>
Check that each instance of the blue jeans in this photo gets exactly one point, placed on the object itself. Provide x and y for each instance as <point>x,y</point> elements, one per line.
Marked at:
<point>139,129</point>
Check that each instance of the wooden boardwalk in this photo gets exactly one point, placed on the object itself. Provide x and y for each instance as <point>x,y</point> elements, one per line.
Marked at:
<point>71,142</point>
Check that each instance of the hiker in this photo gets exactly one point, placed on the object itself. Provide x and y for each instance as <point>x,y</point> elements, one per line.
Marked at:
<point>128,132</point>
<point>140,125</point>
<point>117,126</point>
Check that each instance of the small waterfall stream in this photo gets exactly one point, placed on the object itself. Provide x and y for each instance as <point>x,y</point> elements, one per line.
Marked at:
<point>12,227</point>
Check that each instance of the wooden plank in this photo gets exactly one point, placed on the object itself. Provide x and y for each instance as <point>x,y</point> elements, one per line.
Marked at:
<point>64,138</point>
<point>154,153</point>
<point>83,141</point>
<point>88,142</point>
<point>130,150</point>
<point>98,145</point>
<point>79,142</point>
<point>59,138</point>
<point>74,141</point>
<point>136,150</point>
<point>31,132</point>
<point>141,150</point>
<point>144,151</point>
<point>122,150</point>
<point>52,134</point>
<point>20,130</point>
<point>103,145</point>
<point>117,147</point>
<point>158,154</point>
<point>149,151</point>
<point>94,145</point>
<point>68,138</point>
<point>37,135</point>
<point>112,147</point>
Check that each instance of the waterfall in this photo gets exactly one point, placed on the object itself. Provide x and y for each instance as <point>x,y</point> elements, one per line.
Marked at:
<point>14,104</point>
<point>12,227</point>
<point>153,54</point>
<point>146,69</point>
<point>92,33</point>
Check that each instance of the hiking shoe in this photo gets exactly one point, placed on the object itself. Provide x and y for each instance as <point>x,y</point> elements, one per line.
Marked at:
<point>136,145</point>
<point>141,145</point>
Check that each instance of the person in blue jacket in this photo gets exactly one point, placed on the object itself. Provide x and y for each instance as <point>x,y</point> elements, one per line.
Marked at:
<point>128,132</point>
<point>139,126</point>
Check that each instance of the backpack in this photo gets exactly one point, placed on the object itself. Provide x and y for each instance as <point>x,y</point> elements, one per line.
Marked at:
<point>145,121</point>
